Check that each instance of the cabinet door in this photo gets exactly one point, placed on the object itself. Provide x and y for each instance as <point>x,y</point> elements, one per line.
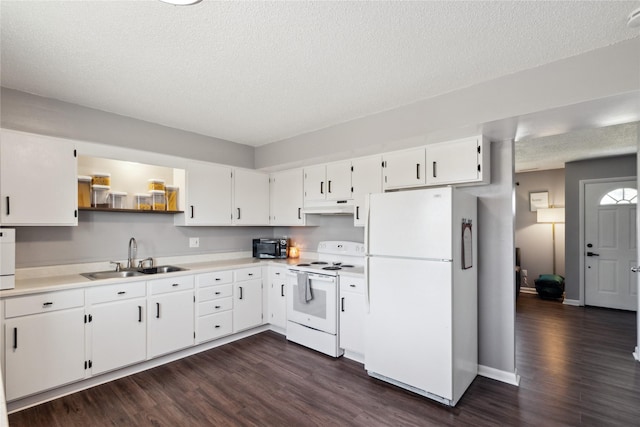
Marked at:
<point>170,322</point>
<point>404,169</point>
<point>277,299</point>
<point>250,197</point>
<point>38,180</point>
<point>208,194</point>
<point>453,162</point>
<point>286,192</point>
<point>352,315</point>
<point>43,351</point>
<point>314,183</point>
<point>118,334</point>
<point>247,305</point>
<point>339,181</point>
<point>366,178</point>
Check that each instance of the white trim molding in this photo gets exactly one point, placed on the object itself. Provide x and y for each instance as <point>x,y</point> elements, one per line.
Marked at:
<point>636,354</point>
<point>573,302</point>
<point>495,374</point>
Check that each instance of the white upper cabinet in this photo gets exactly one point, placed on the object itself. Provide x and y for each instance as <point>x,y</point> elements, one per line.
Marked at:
<point>286,193</point>
<point>327,182</point>
<point>250,197</point>
<point>403,169</point>
<point>38,180</point>
<point>366,178</point>
<point>207,195</point>
<point>461,161</point>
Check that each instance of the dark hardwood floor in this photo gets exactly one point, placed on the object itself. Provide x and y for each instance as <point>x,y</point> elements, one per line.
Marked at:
<point>575,364</point>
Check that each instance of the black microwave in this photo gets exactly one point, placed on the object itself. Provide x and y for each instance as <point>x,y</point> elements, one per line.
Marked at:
<point>270,248</point>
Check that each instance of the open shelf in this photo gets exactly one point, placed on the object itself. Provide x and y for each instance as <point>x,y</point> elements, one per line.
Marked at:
<point>128,210</point>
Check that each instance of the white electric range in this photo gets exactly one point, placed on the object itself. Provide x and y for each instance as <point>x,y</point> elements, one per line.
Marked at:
<point>313,291</point>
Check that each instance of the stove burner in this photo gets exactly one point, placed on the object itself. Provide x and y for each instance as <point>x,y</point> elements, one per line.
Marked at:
<point>346,266</point>
<point>319,262</point>
<point>304,265</point>
<point>332,267</point>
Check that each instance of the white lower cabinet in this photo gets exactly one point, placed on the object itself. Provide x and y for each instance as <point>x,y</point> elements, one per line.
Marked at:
<point>277,299</point>
<point>44,342</point>
<point>214,299</point>
<point>352,314</point>
<point>170,315</point>
<point>116,326</point>
<point>247,298</point>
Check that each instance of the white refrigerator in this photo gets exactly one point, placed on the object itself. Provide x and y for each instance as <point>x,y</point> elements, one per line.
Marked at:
<point>421,268</point>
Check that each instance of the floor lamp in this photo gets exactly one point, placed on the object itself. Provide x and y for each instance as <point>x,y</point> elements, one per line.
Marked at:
<point>551,216</point>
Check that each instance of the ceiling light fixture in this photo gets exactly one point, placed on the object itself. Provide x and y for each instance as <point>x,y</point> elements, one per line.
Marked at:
<point>181,2</point>
<point>634,19</point>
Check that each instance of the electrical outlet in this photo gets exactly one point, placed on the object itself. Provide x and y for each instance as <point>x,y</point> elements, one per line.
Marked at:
<point>194,242</point>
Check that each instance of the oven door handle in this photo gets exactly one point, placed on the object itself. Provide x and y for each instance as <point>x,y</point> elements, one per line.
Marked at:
<point>315,277</point>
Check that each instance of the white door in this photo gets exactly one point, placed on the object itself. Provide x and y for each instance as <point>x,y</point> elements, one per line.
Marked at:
<point>247,305</point>
<point>250,198</point>
<point>170,322</point>
<point>610,244</point>
<point>409,324</point>
<point>422,224</point>
<point>403,169</point>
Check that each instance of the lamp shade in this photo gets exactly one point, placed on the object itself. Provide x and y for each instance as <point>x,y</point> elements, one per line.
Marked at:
<point>551,215</point>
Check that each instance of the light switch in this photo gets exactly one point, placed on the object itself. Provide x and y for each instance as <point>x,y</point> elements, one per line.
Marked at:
<point>194,242</point>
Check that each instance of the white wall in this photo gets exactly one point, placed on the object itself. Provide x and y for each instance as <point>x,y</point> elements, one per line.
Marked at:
<point>535,240</point>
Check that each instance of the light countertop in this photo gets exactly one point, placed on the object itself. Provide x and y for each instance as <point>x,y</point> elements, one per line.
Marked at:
<point>59,279</point>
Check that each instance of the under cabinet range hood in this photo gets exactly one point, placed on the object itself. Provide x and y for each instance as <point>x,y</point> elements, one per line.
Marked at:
<point>329,207</point>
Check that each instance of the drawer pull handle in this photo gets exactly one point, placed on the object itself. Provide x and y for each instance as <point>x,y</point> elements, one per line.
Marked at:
<point>8,206</point>
<point>15,338</point>
<point>175,284</point>
<point>250,274</point>
<point>342,304</point>
<point>122,292</point>
<point>47,304</point>
<point>281,290</point>
<point>240,287</point>
<point>157,310</point>
<point>140,314</point>
<point>218,306</point>
<point>353,286</point>
<point>217,326</point>
<point>218,292</point>
<point>218,279</point>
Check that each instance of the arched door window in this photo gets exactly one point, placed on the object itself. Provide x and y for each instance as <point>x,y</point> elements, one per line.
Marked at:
<point>620,196</point>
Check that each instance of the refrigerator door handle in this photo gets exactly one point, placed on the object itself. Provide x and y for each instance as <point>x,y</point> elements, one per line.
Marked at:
<point>366,278</point>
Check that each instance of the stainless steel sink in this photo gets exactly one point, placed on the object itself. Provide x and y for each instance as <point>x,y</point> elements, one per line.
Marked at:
<point>98,275</point>
<point>111,274</point>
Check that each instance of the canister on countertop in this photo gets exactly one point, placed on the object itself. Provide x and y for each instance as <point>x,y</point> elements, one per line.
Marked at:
<point>143,201</point>
<point>99,194</point>
<point>101,179</point>
<point>158,200</point>
<point>84,191</point>
<point>171,192</point>
<point>117,200</point>
<point>156,184</point>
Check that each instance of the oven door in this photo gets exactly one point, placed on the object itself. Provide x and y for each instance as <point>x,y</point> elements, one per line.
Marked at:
<point>321,311</point>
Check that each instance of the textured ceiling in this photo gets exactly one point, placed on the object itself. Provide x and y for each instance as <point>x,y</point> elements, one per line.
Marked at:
<point>258,72</point>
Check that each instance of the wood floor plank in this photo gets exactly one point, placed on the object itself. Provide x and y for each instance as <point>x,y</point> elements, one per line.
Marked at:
<point>575,365</point>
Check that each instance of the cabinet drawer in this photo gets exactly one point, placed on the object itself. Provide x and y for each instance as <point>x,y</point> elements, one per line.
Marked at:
<point>215,292</point>
<point>216,278</point>
<point>215,306</point>
<point>279,275</point>
<point>214,326</point>
<point>115,292</point>
<point>42,303</point>
<point>171,284</point>
<point>352,284</point>
<point>248,274</point>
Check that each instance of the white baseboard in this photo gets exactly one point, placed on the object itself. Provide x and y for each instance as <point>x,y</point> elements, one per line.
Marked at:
<point>636,354</point>
<point>495,374</point>
<point>573,302</point>
<point>525,290</point>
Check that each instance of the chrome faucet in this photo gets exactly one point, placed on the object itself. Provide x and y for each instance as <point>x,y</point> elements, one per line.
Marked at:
<point>133,248</point>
